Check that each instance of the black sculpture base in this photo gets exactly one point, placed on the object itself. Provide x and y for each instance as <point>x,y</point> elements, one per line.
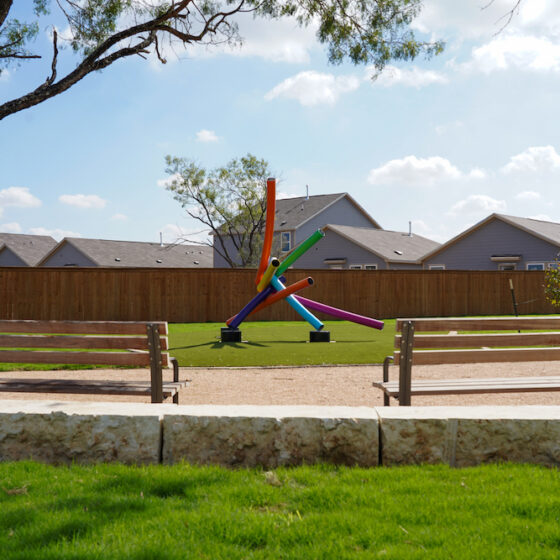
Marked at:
<point>319,336</point>
<point>231,335</point>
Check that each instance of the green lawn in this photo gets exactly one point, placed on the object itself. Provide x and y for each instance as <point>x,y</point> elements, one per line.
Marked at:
<point>433,512</point>
<point>280,343</point>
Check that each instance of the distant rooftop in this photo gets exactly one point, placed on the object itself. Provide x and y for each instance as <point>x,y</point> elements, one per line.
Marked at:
<point>29,248</point>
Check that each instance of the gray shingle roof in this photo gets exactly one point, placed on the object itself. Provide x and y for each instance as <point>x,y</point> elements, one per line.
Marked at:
<point>141,254</point>
<point>29,248</point>
<point>291,213</point>
<point>550,231</point>
<point>392,246</point>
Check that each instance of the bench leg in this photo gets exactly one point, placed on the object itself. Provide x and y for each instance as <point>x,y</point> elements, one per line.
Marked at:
<point>175,365</point>
<point>405,363</point>
<point>155,363</point>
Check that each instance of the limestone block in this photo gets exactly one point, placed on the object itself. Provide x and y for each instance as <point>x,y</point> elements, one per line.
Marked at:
<point>271,436</point>
<point>415,435</point>
<point>466,436</point>
<point>61,433</point>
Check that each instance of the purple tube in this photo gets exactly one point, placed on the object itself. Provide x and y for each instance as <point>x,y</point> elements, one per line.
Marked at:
<point>260,297</point>
<point>340,313</point>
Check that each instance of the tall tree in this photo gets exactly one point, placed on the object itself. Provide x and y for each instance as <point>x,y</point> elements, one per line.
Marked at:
<point>102,32</point>
<point>230,201</point>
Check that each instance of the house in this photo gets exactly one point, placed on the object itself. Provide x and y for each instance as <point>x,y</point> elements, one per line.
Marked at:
<point>360,248</point>
<point>499,242</point>
<point>17,249</point>
<point>76,251</point>
<point>297,218</point>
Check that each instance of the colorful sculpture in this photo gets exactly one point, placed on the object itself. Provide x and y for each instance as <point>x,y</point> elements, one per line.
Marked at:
<point>271,288</point>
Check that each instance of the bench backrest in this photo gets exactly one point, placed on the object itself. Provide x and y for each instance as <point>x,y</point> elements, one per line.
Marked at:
<point>452,340</point>
<point>122,343</point>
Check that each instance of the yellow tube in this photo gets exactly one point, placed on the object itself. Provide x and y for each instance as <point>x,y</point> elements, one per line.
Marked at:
<point>268,273</point>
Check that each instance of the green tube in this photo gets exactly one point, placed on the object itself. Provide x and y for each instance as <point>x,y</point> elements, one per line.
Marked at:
<point>298,251</point>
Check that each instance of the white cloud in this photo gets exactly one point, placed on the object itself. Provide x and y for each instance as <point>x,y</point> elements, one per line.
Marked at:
<point>4,75</point>
<point>314,88</point>
<point>168,181</point>
<point>11,227</point>
<point>57,233</point>
<point>536,159</point>
<point>413,77</point>
<point>521,52</point>
<point>83,200</point>
<point>414,171</point>
<point>477,173</point>
<point>542,218</point>
<point>477,204</point>
<point>206,136</point>
<point>528,195</point>
<point>18,196</point>
<point>119,217</point>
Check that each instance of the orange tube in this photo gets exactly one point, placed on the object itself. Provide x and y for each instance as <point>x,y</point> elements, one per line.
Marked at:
<point>280,295</point>
<point>269,227</point>
<point>284,293</point>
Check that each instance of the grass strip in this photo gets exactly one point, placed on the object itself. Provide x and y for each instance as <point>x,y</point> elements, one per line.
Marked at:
<point>183,511</point>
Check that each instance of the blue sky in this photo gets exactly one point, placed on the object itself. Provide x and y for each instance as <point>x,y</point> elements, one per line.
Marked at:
<point>442,143</point>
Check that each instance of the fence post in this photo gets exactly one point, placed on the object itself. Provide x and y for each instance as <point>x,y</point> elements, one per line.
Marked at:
<point>405,363</point>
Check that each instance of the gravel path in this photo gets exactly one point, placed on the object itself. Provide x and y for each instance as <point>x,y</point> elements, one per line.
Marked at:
<point>336,385</point>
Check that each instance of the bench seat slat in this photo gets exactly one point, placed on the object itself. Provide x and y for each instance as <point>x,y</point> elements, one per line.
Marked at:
<point>474,386</point>
<point>132,388</point>
<point>83,342</point>
<point>482,355</point>
<point>483,323</point>
<point>480,340</point>
<point>79,327</point>
<point>136,359</point>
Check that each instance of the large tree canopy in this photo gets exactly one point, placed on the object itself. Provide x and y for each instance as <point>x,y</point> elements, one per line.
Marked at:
<point>103,31</point>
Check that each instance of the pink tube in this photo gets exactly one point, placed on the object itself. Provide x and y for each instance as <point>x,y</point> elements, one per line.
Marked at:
<point>340,313</point>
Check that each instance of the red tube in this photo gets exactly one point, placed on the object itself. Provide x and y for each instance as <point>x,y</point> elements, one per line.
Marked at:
<point>269,227</point>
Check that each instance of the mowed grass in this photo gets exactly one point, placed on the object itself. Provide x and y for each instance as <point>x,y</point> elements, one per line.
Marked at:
<point>181,511</point>
<point>279,343</point>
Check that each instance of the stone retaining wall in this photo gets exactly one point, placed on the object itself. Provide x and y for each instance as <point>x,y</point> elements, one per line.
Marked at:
<point>269,436</point>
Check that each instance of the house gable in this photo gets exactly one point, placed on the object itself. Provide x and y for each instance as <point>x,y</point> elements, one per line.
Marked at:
<point>493,242</point>
<point>10,258</point>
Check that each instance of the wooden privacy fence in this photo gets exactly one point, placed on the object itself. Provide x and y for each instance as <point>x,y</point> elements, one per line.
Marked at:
<point>186,295</point>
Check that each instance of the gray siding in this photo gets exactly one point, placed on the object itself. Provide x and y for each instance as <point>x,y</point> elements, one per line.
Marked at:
<point>67,255</point>
<point>342,213</point>
<point>495,238</point>
<point>333,246</point>
<point>9,258</point>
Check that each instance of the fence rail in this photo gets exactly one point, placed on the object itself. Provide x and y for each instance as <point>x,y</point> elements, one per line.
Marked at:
<point>185,295</point>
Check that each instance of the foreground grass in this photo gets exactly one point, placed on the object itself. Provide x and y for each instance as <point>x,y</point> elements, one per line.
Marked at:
<point>280,343</point>
<point>180,511</point>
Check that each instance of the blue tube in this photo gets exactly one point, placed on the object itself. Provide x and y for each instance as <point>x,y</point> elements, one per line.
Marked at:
<point>297,306</point>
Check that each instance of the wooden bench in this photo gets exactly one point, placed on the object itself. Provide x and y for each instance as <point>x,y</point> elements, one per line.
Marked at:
<point>451,341</point>
<point>134,344</point>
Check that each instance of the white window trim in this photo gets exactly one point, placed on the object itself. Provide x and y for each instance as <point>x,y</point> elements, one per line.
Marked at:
<point>535,263</point>
<point>370,266</point>
<point>436,267</point>
<point>289,235</point>
<point>355,267</point>
<point>506,266</point>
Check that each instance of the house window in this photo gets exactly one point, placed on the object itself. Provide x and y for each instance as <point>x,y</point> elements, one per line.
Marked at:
<point>436,267</point>
<point>535,266</point>
<point>355,267</point>
<point>552,266</point>
<point>370,267</point>
<point>286,241</point>
<point>507,266</point>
